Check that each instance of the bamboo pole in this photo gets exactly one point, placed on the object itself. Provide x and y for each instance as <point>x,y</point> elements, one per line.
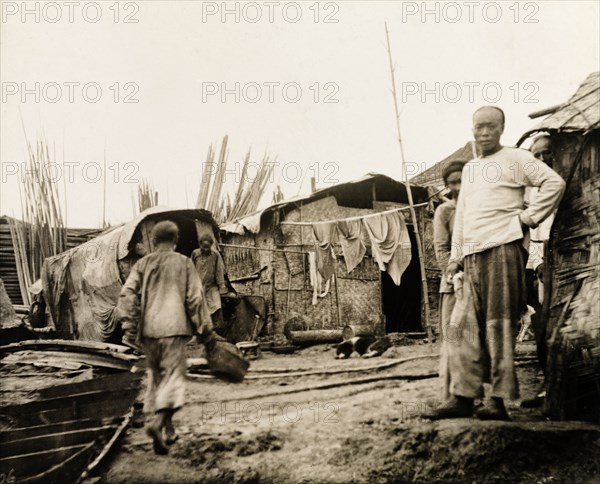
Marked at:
<point>64,179</point>
<point>104,190</point>
<point>409,193</point>
<point>304,298</point>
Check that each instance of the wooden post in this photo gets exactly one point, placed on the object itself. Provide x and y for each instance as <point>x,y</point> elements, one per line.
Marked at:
<point>410,197</point>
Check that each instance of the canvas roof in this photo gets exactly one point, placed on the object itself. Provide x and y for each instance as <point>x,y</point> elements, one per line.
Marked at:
<point>88,275</point>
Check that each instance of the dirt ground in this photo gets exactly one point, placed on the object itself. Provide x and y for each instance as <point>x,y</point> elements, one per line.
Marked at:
<point>274,427</point>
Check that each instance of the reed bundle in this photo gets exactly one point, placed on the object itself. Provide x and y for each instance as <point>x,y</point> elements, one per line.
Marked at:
<point>247,190</point>
<point>42,233</point>
<point>147,196</point>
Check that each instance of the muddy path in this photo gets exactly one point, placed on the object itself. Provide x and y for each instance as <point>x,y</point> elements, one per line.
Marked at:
<point>276,429</point>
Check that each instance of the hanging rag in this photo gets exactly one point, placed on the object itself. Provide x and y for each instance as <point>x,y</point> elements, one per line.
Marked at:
<point>390,243</point>
<point>316,279</point>
<point>324,233</point>
<point>353,247</point>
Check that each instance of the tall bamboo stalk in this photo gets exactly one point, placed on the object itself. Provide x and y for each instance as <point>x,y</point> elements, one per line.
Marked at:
<point>410,198</point>
<point>206,178</point>
<point>215,196</point>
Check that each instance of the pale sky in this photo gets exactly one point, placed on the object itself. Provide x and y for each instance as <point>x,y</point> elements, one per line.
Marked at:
<point>527,56</point>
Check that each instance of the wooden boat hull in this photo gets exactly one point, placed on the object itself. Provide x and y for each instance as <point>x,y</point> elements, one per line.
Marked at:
<point>63,433</point>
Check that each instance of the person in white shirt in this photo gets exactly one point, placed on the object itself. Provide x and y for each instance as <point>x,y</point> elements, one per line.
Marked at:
<point>489,244</point>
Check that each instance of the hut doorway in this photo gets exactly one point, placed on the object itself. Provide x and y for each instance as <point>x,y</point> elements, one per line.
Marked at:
<point>402,304</point>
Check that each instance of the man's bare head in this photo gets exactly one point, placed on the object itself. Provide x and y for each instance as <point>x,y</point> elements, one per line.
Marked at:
<point>541,148</point>
<point>488,126</point>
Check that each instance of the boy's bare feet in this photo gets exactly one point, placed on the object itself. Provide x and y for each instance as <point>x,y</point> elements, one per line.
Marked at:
<point>170,436</point>
<point>154,431</point>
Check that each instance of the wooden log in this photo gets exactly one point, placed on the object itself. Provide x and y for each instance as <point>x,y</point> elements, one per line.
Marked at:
<point>354,330</point>
<point>316,336</point>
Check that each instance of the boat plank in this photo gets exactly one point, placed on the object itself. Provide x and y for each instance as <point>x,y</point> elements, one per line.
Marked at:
<point>119,380</point>
<point>56,440</point>
<point>27,465</point>
<point>67,471</point>
<point>65,343</point>
<point>48,357</point>
<point>27,432</point>
<point>110,408</point>
<point>71,401</point>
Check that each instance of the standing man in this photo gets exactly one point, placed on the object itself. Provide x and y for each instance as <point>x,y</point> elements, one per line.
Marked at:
<point>489,243</point>
<point>210,267</point>
<point>162,307</point>
<point>541,148</point>
<point>443,220</point>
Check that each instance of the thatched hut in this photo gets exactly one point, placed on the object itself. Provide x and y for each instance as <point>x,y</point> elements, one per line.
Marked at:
<point>572,282</point>
<point>266,256</point>
<point>81,286</point>
<point>432,176</point>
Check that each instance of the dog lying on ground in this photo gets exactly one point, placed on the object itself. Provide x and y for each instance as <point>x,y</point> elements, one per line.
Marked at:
<point>365,346</point>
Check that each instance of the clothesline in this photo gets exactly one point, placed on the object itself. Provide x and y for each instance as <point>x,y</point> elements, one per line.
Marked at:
<point>357,217</point>
<point>268,249</point>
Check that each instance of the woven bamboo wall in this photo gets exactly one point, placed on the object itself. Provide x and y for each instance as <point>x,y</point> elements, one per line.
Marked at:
<point>287,296</point>
<point>358,292</point>
<point>285,280</point>
<point>574,309</point>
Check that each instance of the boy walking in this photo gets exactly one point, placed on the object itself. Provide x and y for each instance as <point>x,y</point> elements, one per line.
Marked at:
<point>162,306</point>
